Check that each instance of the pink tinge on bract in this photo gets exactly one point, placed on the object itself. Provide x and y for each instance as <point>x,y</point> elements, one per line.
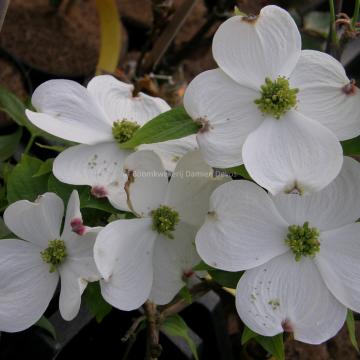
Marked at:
<point>98,191</point>
<point>350,88</point>
<point>188,274</point>
<point>77,226</point>
<point>287,326</point>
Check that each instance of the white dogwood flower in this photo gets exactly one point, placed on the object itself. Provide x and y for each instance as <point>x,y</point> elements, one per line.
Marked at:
<point>99,117</point>
<point>150,257</point>
<point>301,254</point>
<point>30,269</point>
<point>279,110</point>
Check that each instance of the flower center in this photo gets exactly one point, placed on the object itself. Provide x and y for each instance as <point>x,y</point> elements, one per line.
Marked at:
<point>54,254</point>
<point>276,97</point>
<point>303,240</point>
<point>164,220</point>
<point>123,130</point>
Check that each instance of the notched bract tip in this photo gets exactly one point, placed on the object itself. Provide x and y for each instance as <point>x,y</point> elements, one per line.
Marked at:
<point>205,125</point>
<point>77,226</point>
<point>251,19</point>
<point>350,88</point>
<point>98,191</point>
<point>287,326</point>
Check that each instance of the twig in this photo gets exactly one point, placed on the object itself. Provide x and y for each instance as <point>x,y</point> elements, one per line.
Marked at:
<point>167,36</point>
<point>133,328</point>
<point>154,349</point>
<point>131,341</point>
<point>192,44</point>
<point>180,304</point>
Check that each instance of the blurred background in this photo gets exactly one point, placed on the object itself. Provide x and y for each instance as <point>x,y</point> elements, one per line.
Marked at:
<point>159,45</point>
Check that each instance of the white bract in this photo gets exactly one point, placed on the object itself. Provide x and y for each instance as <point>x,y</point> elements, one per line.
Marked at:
<point>279,110</point>
<point>30,269</point>
<point>301,254</point>
<point>151,256</point>
<point>99,117</point>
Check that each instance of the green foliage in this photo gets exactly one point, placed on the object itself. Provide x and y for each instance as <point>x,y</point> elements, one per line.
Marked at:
<point>173,124</point>
<point>5,170</point>
<point>9,144</point>
<point>13,106</point>
<point>186,294</point>
<point>21,182</point>
<point>226,278</point>
<point>272,344</point>
<point>350,324</point>
<point>239,170</point>
<point>4,231</point>
<point>45,168</point>
<point>351,146</point>
<point>95,302</point>
<point>176,326</point>
<point>45,324</point>
<point>202,266</point>
<point>247,335</point>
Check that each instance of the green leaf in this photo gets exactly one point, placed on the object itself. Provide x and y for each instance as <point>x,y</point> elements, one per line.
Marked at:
<point>45,168</point>
<point>95,302</point>
<point>351,146</point>
<point>173,124</point>
<point>13,106</point>
<point>350,323</point>
<point>186,294</point>
<point>239,170</point>
<point>202,266</point>
<point>22,185</point>
<point>9,144</point>
<point>312,43</point>
<point>4,231</point>
<point>273,345</point>
<point>226,278</point>
<point>6,169</point>
<point>176,326</point>
<point>247,335</point>
<point>45,324</point>
<point>86,199</point>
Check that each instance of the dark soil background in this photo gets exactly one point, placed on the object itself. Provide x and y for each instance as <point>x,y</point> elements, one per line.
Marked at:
<point>40,41</point>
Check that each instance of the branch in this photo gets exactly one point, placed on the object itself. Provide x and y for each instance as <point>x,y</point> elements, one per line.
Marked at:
<point>154,349</point>
<point>180,304</point>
